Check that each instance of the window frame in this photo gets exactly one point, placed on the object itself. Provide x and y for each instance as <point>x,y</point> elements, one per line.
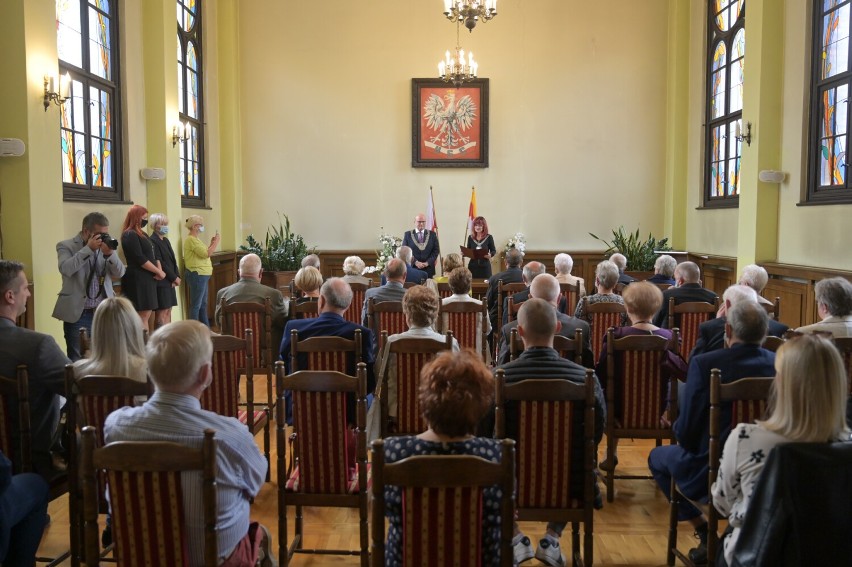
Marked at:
<point>194,36</point>
<point>714,36</point>
<point>88,192</point>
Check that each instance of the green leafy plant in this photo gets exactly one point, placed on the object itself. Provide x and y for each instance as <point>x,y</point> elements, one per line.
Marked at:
<point>283,250</point>
<point>640,254</point>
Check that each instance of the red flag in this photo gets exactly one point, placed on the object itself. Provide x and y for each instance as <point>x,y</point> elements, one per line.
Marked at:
<point>431,220</point>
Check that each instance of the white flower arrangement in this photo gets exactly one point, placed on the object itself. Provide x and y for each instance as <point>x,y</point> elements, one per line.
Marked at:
<point>389,245</point>
<point>519,241</point>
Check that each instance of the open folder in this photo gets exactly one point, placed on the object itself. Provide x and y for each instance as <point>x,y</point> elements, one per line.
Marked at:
<point>473,253</point>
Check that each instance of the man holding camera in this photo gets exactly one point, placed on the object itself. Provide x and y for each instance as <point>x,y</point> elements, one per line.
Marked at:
<point>88,264</point>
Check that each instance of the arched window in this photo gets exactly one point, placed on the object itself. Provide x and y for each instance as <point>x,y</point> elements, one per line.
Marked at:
<point>828,163</point>
<point>725,64</point>
<point>191,102</point>
<point>87,43</point>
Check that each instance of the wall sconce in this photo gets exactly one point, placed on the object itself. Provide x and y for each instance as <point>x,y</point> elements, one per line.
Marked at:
<point>51,93</point>
<point>180,133</point>
<point>744,137</point>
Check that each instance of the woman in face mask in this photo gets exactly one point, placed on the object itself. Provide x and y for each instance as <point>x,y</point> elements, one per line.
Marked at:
<point>197,268</point>
<point>166,296</point>
<point>139,283</point>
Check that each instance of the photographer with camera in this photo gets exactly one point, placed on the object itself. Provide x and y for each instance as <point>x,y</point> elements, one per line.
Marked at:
<point>88,264</point>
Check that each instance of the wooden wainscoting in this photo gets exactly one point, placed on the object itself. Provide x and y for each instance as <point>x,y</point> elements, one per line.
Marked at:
<point>718,273</point>
<point>795,286</point>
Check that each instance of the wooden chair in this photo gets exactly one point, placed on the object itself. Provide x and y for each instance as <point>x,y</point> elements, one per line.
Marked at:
<point>619,288</point>
<point>85,343</point>
<point>353,313</point>
<point>637,395</point>
<point>385,317</point>
<point>504,289</point>
<point>330,465</point>
<point>512,309</point>
<point>223,394</point>
<point>773,309</point>
<point>304,308</point>
<point>408,285</point>
<point>663,286</point>
<point>257,317</point>
<point>90,400</point>
<point>602,316</point>
<point>687,317</point>
<point>145,492</point>
<point>773,343</point>
<point>405,358</point>
<point>443,495</point>
<point>466,320</point>
<point>546,490</point>
<point>444,290</point>
<point>746,400</point>
<point>570,295</point>
<point>335,354</point>
<point>572,349</point>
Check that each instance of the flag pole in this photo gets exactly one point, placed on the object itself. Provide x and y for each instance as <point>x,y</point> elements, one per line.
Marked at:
<point>467,224</point>
<point>434,221</point>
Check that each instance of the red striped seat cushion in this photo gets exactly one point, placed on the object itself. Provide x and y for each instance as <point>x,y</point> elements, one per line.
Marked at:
<point>294,485</point>
<point>408,365</point>
<point>642,390</point>
<point>324,446</point>
<point>441,526</point>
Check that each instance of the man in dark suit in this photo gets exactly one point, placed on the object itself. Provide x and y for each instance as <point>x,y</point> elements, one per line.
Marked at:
<point>687,288</point>
<point>687,462</point>
<point>45,366</point>
<point>546,287</point>
<point>711,334</point>
<point>393,290</point>
<point>537,324</point>
<point>412,274</point>
<point>620,260</point>
<point>530,271</point>
<point>512,274</point>
<point>424,245</point>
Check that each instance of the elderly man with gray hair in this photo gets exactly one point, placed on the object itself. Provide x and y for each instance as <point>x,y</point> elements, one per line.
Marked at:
<point>564,263</point>
<point>412,274</point>
<point>756,278</point>
<point>620,260</point>
<point>664,269</point>
<point>530,272</point>
<point>834,306</point>
<point>687,289</point>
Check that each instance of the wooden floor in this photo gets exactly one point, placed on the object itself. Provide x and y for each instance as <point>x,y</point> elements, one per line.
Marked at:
<point>630,531</point>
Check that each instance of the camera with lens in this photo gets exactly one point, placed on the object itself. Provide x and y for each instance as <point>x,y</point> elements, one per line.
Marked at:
<point>111,242</point>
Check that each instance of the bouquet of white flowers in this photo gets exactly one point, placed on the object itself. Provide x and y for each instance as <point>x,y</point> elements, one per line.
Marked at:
<point>518,241</point>
<point>389,245</point>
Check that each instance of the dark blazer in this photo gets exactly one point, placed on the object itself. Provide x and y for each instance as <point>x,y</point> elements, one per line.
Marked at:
<point>689,458</point>
<point>625,279</point>
<point>166,255</point>
<point>512,275</point>
<point>412,274</point>
<point>517,298</point>
<point>429,253</point>
<point>711,334</point>
<point>391,291</point>
<point>683,294</point>
<point>660,279</point>
<point>569,327</point>
<point>75,265</point>
<point>46,368</point>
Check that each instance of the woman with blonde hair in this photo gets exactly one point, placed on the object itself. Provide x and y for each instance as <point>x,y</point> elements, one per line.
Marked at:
<point>308,280</point>
<point>450,263</point>
<point>117,345</point>
<point>197,267</point>
<point>353,270</point>
<point>809,400</point>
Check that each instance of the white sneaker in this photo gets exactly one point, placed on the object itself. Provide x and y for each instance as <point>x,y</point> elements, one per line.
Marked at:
<point>548,552</point>
<point>523,548</point>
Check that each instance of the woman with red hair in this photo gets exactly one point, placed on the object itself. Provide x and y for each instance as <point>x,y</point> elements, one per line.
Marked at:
<point>480,268</point>
<point>139,283</point>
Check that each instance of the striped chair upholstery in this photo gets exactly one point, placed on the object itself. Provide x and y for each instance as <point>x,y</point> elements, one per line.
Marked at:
<point>236,318</point>
<point>14,401</point>
<point>330,465</point>
<point>353,312</point>
<point>442,510</point>
<point>548,446</point>
<point>444,290</point>
<point>336,354</point>
<point>602,316</point>
<point>304,308</point>
<point>637,393</point>
<point>687,317</point>
<point>503,290</point>
<point>570,293</point>
<point>386,316</point>
<point>144,480</point>
<point>466,321</point>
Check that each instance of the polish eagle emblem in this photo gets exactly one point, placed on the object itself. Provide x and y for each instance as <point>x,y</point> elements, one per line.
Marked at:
<point>447,119</point>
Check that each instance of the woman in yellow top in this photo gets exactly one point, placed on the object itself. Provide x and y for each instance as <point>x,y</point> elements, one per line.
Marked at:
<point>198,268</point>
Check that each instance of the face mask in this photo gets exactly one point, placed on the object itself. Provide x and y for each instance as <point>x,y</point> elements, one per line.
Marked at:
<point>144,223</point>
<point>201,228</point>
<point>164,230</point>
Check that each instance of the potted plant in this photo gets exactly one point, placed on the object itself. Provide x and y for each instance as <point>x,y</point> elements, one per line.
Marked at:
<point>640,254</point>
<point>281,254</point>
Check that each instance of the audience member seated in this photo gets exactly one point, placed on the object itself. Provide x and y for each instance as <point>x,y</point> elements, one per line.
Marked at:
<point>311,260</point>
<point>179,362</point>
<point>450,263</point>
<point>412,274</point>
<point>530,271</point>
<point>393,290</point>
<point>117,345</point>
<point>45,365</point>
<point>809,391</point>
<point>564,263</point>
<point>834,305</point>
<point>456,391</point>
<point>512,274</point>
<point>606,278</point>
<point>546,287</point>
<point>711,334</point>
<point>353,269</point>
<point>687,288</point>
<point>308,281</point>
<point>620,260</point>
<point>664,269</point>
<point>642,300</point>
<point>23,511</point>
<point>688,461</point>
<point>460,280</point>
<point>537,324</point>
<point>756,278</point>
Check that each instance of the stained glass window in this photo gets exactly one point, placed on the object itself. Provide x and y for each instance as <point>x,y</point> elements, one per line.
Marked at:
<point>725,65</point>
<point>89,138</point>
<point>190,102</point>
<point>828,179</point>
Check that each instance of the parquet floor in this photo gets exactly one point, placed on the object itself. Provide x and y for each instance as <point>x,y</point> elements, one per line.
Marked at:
<point>629,531</point>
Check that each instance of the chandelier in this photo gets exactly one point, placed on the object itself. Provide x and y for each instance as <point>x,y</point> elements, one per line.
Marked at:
<point>457,69</point>
<point>469,11</point>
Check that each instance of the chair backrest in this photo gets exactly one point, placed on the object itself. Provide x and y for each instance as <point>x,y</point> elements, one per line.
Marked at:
<point>14,399</point>
<point>466,320</point>
<point>571,295</point>
<point>444,290</point>
<point>663,286</point>
<point>773,343</point>
<point>146,498</point>
<point>85,343</point>
<point>545,410</point>
<point>572,349</point>
<point>844,345</point>
<point>687,317</point>
<point>407,285</point>
<point>304,308</point>
<point>637,393</point>
<point>443,511</point>
<point>386,316</point>
<point>255,316</point>
<point>773,309</point>
<point>602,316</point>
<point>324,452</point>
<point>512,309</point>
<point>504,289</point>
<point>223,394</point>
<point>353,312</point>
<point>335,354</point>
<point>619,288</point>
